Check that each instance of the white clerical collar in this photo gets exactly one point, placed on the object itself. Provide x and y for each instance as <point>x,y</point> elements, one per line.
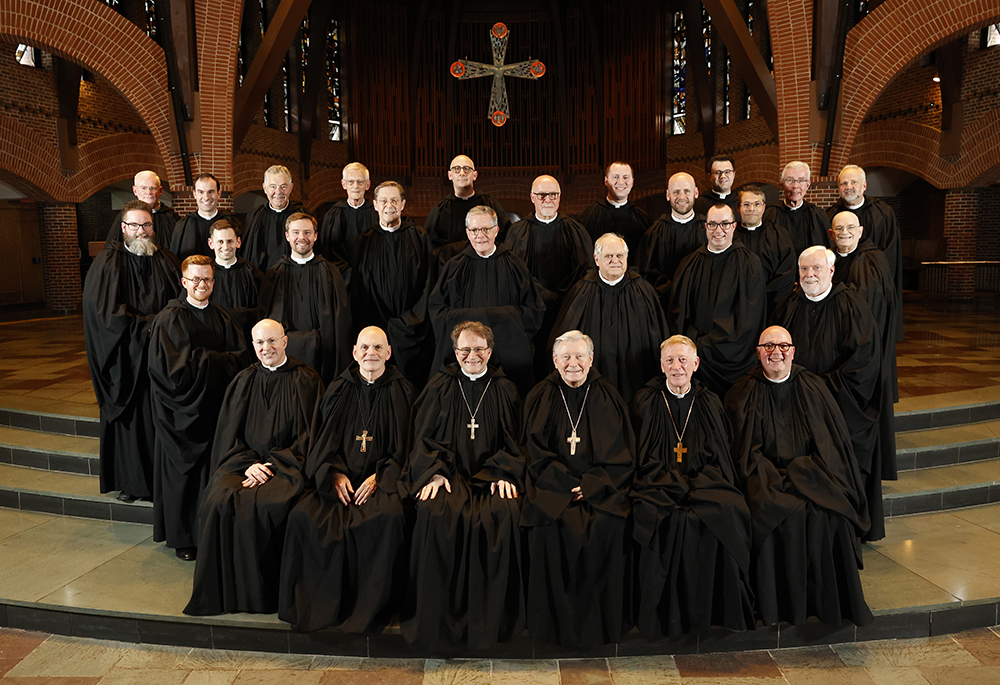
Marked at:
<point>719,251</point>
<point>780,380</point>
<point>857,205</point>
<point>350,203</point>
<point>617,205</point>
<point>476,377</point>
<point>753,228</point>
<point>681,396</point>
<point>158,207</point>
<point>723,196</point>
<point>223,264</point>
<point>277,211</point>
<point>614,282</point>
<point>679,220</point>
<point>466,197</point>
<point>198,305</point>
<point>275,368</point>
<point>302,260</point>
<point>393,229</point>
<point>794,209</point>
<point>819,297</point>
<point>847,254</point>
<point>487,256</point>
<point>208,218</point>
<point>545,221</point>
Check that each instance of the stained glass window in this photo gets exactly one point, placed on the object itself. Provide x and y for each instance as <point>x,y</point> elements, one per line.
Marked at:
<point>286,88</point>
<point>725,89</point>
<point>26,55</point>
<point>333,115</point>
<point>268,119</point>
<point>151,19</point>
<point>706,32</point>
<point>679,76</point>
<point>861,10</point>
<point>304,50</point>
<point>746,91</point>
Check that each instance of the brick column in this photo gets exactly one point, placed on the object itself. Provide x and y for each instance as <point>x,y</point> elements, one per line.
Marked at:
<point>60,256</point>
<point>961,226</point>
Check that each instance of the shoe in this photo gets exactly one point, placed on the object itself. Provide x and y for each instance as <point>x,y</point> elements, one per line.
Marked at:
<point>187,553</point>
<point>125,497</point>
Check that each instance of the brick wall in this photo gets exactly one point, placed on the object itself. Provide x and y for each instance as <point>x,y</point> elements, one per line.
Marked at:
<point>988,246</point>
<point>961,223</point>
<point>60,256</point>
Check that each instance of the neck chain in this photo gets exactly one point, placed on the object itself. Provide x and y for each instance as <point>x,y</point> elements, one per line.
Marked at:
<point>472,425</point>
<point>573,439</point>
<point>680,450</point>
<point>364,438</point>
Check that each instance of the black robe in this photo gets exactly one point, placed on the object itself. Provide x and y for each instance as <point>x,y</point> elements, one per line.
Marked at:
<point>497,291</point>
<point>629,221</point>
<point>624,320</point>
<point>692,524</point>
<point>190,235</point>
<point>341,227</point>
<point>393,275</point>
<point>664,245</point>
<point>879,222</point>
<point>236,289</point>
<point>771,243</point>
<point>806,226</point>
<point>838,339</point>
<point>465,584</point>
<point>164,220</point>
<point>344,565</point>
<point>710,198</point>
<point>445,222</point>
<point>264,242</point>
<point>122,294</point>
<point>310,301</point>
<point>193,355</point>
<point>267,417</point>
<point>794,457</point>
<point>578,587</point>
<point>719,301</point>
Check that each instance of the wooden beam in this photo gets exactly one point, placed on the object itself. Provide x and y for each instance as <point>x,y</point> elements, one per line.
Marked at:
<point>320,15</point>
<point>704,86</point>
<point>266,63</point>
<point>825,50</point>
<point>68,91</point>
<point>184,37</point>
<point>746,58</point>
<point>950,71</point>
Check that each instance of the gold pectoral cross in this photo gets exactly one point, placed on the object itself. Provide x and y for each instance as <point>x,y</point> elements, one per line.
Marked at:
<point>572,440</point>
<point>680,451</point>
<point>365,439</point>
<point>472,429</point>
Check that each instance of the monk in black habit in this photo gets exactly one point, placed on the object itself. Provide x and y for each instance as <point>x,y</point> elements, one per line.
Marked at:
<point>237,281</point>
<point>692,524</point>
<point>308,296</point>
<point>195,349</point>
<point>348,218</point>
<point>445,222</point>
<point>805,222</point>
<point>615,214</point>
<point>265,430</point>
<point>839,341</point>
<point>672,237</point>
<point>768,241</point>
<point>393,274</point>
<point>719,300</point>
<point>264,241</point>
<point>621,313</point>
<point>794,456</point>
<point>465,473</point>
<point>127,286</point>
<point>191,234</point>
<point>489,284</point>
<point>721,178</point>
<point>579,445</point>
<point>344,560</point>
<point>147,189</point>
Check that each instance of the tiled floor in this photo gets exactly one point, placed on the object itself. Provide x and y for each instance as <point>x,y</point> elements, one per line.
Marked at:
<point>966,658</point>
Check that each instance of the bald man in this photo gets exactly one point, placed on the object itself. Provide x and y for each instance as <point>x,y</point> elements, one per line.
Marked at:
<point>445,223</point>
<point>147,188</point>
<point>673,236</point>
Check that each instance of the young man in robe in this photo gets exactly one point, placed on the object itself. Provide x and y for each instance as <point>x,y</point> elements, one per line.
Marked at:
<point>344,560</point>
<point>691,522</point>
<point>579,445</point>
<point>721,179</point>
<point>265,430</point>
<point>195,349</point>
<point>348,218</point>
<point>147,188</point>
<point>126,287</point>
<point>465,473</point>
<point>768,241</point>
<point>445,223</point>
<point>621,313</point>
<point>264,241</point>
<point>673,236</point>
<point>237,281</point>
<point>805,222</point>
<point>797,467</point>
<point>307,294</point>
<point>615,214</point>
<point>192,233</point>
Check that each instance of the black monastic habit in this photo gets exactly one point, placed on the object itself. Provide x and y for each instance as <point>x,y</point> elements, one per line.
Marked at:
<point>771,243</point>
<point>164,220</point>
<point>122,294</point>
<point>664,245</point>
<point>445,222</point>
<point>341,227</point>
<point>194,353</point>
<point>267,417</point>
<point>465,584</point>
<point>794,456</point>
<point>691,522</point>
<point>264,242</point>
<point>345,565</point>
<point>807,225</point>
<point>629,221</point>
<point>577,549</point>
<point>705,201</point>
<point>190,235</point>
<point>236,289</point>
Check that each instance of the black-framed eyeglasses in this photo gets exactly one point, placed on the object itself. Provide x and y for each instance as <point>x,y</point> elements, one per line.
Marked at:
<point>135,227</point>
<point>466,351</point>
<point>195,280</point>
<point>769,347</point>
<point>461,170</point>
<point>712,225</point>
<point>545,196</point>
<point>480,231</point>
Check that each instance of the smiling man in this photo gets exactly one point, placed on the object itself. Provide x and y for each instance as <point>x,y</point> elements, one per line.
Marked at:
<point>348,218</point>
<point>615,214</point>
<point>146,188</point>
<point>263,239</point>
<point>768,241</point>
<point>445,223</point>
<point>237,281</point>
<point>673,236</point>
<point>191,234</point>
<point>805,222</point>
<point>721,179</point>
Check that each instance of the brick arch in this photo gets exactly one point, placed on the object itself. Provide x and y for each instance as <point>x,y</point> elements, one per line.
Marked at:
<point>324,186</point>
<point>885,41</point>
<point>94,35</point>
<point>27,155</point>
<point>113,158</point>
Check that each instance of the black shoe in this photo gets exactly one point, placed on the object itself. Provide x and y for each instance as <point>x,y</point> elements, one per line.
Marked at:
<point>187,553</point>
<point>125,497</point>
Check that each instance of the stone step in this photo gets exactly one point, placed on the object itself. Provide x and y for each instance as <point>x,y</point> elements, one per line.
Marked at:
<point>932,447</point>
<point>49,451</point>
<point>943,487</point>
<point>84,426</point>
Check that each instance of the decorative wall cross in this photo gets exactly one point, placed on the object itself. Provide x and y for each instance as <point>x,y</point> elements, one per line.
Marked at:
<point>532,69</point>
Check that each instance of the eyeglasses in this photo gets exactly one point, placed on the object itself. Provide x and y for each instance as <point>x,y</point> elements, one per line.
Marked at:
<point>466,351</point>
<point>751,205</point>
<point>359,182</point>
<point>270,341</point>
<point>544,196</point>
<point>722,172</point>
<point>712,225</point>
<point>841,229</point>
<point>135,227</point>
<point>796,181</point>
<point>462,170</point>
<point>195,280</point>
<point>395,201</point>
<point>769,347</point>
<point>148,189</point>
<point>480,231</point>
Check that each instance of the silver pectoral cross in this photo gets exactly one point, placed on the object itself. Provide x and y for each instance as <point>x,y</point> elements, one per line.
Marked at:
<point>472,429</point>
<point>365,439</point>
<point>572,440</point>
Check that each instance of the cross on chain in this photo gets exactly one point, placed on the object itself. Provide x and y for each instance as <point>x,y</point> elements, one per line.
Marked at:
<point>472,429</point>
<point>572,440</point>
<point>680,451</point>
<point>530,69</point>
<point>365,439</point>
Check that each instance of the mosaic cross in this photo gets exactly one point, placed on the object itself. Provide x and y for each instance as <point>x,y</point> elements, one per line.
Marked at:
<point>532,69</point>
